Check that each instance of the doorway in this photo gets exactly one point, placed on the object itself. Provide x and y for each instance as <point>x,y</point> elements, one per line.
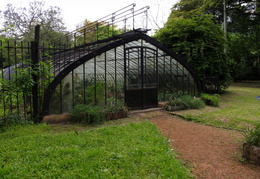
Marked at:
<point>141,77</point>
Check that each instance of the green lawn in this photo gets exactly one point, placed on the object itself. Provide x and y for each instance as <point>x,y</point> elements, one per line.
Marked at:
<point>135,150</point>
<point>124,148</point>
<point>238,109</point>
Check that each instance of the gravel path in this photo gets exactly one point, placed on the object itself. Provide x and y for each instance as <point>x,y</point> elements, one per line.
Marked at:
<point>211,152</point>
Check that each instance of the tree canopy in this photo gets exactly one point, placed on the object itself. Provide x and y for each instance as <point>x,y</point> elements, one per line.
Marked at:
<point>194,31</point>
<point>200,42</point>
<point>22,21</point>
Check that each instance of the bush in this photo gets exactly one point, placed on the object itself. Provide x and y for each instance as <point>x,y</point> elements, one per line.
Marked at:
<point>252,136</point>
<point>90,114</point>
<point>191,102</point>
<point>212,100</point>
<point>13,120</point>
<point>186,102</point>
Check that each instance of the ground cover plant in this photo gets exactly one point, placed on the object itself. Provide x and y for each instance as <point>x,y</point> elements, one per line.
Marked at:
<point>238,108</point>
<point>134,150</point>
<point>185,102</point>
<point>212,100</point>
<point>252,136</point>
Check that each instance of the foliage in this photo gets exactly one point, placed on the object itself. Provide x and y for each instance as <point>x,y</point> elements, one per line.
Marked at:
<point>17,88</point>
<point>93,31</point>
<point>22,78</point>
<point>252,136</point>
<point>115,105</point>
<point>95,93</point>
<point>186,102</point>
<point>192,102</point>
<point>89,114</point>
<point>244,52</point>
<point>136,150</point>
<point>13,120</point>
<point>209,99</point>
<point>242,44</point>
<point>23,20</point>
<point>239,12</point>
<point>201,43</point>
<point>107,31</point>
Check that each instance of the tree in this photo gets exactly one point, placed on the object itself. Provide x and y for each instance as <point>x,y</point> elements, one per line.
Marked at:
<point>23,20</point>
<point>93,31</point>
<point>243,30</point>
<point>200,42</point>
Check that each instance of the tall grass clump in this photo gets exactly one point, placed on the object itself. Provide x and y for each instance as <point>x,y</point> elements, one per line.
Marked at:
<point>185,102</point>
<point>192,102</point>
<point>212,100</point>
<point>89,114</point>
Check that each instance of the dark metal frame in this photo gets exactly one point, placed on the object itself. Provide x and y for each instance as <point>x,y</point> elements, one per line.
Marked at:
<point>118,41</point>
<point>66,58</point>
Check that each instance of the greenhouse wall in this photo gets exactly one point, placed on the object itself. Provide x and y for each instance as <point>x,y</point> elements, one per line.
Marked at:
<point>137,73</point>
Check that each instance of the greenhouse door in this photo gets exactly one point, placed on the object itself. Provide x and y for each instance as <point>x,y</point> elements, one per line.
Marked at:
<point>141,77</point>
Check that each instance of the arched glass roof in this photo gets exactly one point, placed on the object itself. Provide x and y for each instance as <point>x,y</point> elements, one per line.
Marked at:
<point>120,68</point>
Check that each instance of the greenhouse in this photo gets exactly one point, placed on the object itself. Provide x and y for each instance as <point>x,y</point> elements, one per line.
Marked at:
<point>105,63</point>
<point>130,68</point>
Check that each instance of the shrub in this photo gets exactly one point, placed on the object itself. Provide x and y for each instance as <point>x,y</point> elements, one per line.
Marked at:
<point>212,100</point>
<point>13,120</point>
<point>187,102</point>
<point>191,102</point>
<point>90,114</point>
<point>176,102</point>
<point>252,136</point>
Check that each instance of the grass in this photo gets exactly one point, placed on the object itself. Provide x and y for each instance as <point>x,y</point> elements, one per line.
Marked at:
<point>124,148</point>
<point>134,150</point>
<point>238,108</point>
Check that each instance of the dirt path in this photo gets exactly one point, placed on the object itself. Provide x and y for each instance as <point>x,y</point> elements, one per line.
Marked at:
<point>211,152</point>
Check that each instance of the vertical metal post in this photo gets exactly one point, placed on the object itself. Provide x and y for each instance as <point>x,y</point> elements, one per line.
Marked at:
<point>105,78</point>
<point>147,18</point>
<point>142,75</point>
<point>164,76</point>
<point>9,75</point>
<point>75,40</point>
<point>156,72</point>
<point>84,82</point>
<point>85,39</point>
<point>97,31</point>
<point>35,61</point>
<point>113,18</point>
<point>61,99</point>
<point>2,74</point>
<point>73,89</point>
<point>95,80</point>
<point>116,95</point>
<point>125,74</point>
<point>133,18</point>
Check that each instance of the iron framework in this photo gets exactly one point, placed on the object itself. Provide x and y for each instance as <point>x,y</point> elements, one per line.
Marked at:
<point>104,62</point>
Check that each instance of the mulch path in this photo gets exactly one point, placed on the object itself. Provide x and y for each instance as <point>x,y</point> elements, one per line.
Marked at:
<point>210,152</point>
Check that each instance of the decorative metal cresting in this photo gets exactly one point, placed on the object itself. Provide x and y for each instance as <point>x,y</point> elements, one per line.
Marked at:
<point>118,22</point>
<point>90,35</point>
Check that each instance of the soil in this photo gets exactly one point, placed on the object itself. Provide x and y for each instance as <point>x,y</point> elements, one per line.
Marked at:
<point>210,152</point>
